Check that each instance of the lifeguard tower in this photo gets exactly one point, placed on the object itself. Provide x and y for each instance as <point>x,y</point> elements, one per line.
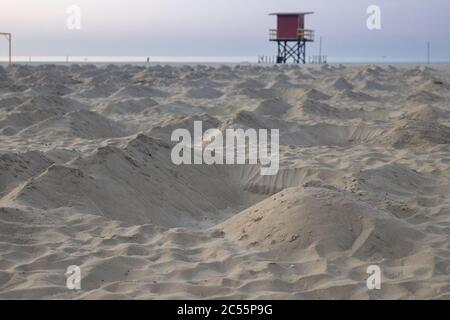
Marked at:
<point>291,36</point>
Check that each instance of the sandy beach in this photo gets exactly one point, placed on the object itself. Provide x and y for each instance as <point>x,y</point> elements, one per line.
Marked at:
<point>86,179</point>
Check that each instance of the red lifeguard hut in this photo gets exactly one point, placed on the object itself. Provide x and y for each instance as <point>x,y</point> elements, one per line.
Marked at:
<point>291,36</point>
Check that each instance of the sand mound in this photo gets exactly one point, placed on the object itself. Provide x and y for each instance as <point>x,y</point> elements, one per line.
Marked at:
<point>249,84</point>
<point>18,71</point>
<point>281,81</point>
<point>155,75</point>
<point>433,85</point>
<point>418,71</point>
<point>341,84</point>
<point>370,73</point>
<point>21,113</point>
<point>304,77</point>
<point>320,220</point>
<point>204,93</point>
<point>418,133</point>
<point>83,124</point>
<point>22,119</point>
<point>98,184</point>
<point>319,134</point>
<point>179,108</point>
<point>51,89</point>
<point>372,85</point>
<point>254,91</point>
<point>98,91</point>
<point>374,71</point>
<point>139,91</point>
<point>17,168</point>
<point>358,76</point>
<point>355,96</point>
<point>50,102</point>
<point>246,120</point>
<point>316,108</point>
<point>8,131</point>
<point>125,106</point>
<point>392,69</point>
<point>319,110</point>
<point>165,129</point>
<point>45,75</point>
<point>392,179</point>
<point>9,103</point>
<point>324,134</point>
<point>426,113</point>
<point>314,94</point>
<point>326,68</point>
<point>424,97</point>
<point>203,83</point>
<point>272,107</point>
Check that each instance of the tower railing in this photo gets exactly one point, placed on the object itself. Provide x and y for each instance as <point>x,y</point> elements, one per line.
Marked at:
<point>306,34</point>
<point>273,34</point>
<point>302,34</point>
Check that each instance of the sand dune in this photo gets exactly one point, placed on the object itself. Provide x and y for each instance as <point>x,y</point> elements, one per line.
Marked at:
<point>323,221</point>
<point>86,179</point>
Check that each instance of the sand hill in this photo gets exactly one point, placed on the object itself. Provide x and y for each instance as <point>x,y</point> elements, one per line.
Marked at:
<point>86,179</point>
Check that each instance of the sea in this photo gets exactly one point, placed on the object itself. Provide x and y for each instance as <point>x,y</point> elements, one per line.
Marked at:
<point>207,60</point>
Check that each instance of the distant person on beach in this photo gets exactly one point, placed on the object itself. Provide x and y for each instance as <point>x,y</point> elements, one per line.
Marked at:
<point>148,60</point>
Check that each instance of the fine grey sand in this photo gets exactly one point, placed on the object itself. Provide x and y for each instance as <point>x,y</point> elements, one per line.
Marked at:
<point>86,179</point>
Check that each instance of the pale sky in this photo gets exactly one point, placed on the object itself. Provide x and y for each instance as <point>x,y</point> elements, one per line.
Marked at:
<point>222,27</point>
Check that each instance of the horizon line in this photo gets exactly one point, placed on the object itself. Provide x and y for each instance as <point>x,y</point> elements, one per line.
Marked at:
<point>203,59</point>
